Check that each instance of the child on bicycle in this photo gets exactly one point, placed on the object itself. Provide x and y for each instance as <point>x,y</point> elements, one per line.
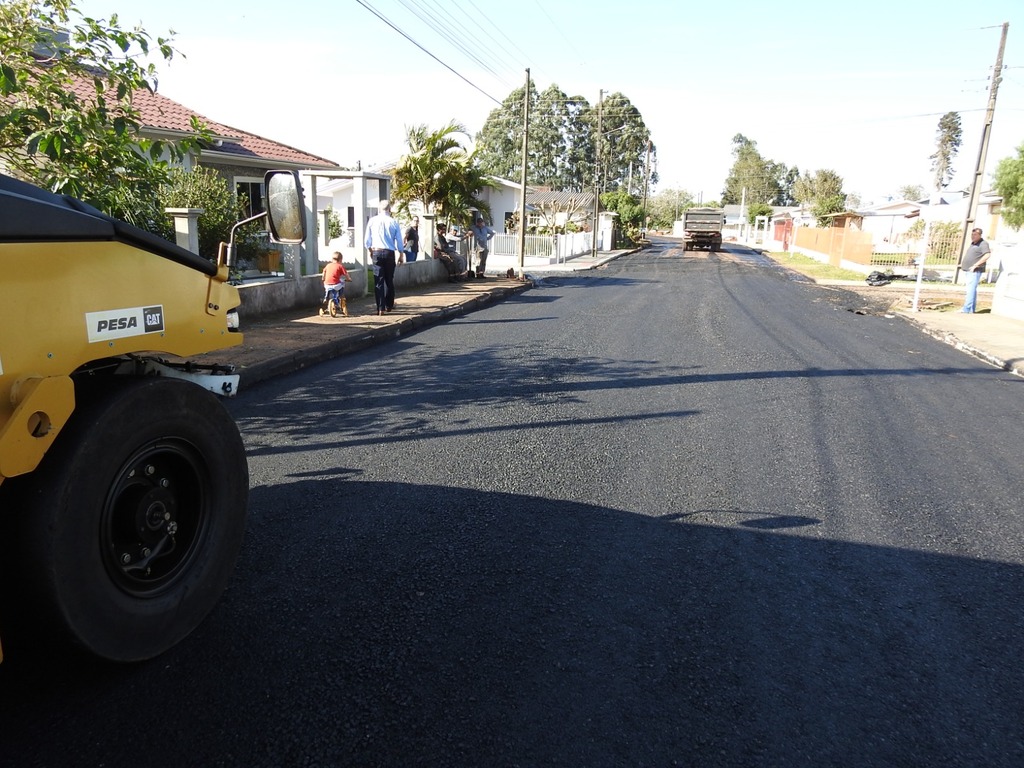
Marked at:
<point>335,276</point>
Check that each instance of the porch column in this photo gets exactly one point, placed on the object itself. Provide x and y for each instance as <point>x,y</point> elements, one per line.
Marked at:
<point>359,205</point>
<point>428,233</point>
<point>186,226</point>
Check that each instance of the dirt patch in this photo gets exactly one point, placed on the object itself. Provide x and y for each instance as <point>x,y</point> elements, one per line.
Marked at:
<point>899,296</point>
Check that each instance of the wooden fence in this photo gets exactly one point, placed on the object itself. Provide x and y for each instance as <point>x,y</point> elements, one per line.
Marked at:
<point>839,243</point>
<point>854,246</point>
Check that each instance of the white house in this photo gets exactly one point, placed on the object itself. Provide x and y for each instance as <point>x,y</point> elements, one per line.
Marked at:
<point>888,224</point>
<point>339,192</point>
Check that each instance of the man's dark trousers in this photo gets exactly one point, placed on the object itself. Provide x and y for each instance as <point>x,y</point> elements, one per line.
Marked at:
<point>384,285</point>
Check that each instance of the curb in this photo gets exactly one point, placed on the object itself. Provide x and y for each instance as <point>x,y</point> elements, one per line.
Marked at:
<point>319,353</point>
<point>948,337</point>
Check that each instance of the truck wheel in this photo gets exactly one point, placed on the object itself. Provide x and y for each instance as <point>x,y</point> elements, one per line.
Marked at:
<point>133,521</point>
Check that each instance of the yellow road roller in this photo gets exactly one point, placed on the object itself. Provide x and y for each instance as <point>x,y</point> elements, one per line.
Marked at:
<point>123,478</point>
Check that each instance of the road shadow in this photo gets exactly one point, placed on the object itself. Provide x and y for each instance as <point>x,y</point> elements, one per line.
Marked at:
<point>397,397</point>
<point>398,624</point>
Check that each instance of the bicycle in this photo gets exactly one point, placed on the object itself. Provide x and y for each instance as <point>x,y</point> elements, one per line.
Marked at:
<point>334,301</point>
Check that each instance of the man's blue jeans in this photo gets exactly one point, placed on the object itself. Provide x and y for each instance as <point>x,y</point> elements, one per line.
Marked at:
<point>973,278</point>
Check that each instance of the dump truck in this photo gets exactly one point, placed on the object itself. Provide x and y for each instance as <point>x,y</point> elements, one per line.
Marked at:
<point>123,478</point>
<point>702,228</point>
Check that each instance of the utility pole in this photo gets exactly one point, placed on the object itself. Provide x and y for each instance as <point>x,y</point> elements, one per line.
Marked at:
<point>979,168</point>
<point>522,206</point>
<point>647,181</point>
<point>597,173</point>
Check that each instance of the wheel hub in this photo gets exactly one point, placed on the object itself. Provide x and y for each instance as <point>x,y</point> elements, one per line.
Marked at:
<point>156,514</point>
<point>152,519</point>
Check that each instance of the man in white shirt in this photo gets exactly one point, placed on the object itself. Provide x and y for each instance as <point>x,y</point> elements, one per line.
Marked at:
<point>384,241</point>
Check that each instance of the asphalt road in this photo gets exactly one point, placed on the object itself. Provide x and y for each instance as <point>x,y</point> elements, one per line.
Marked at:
<point>684,510</point>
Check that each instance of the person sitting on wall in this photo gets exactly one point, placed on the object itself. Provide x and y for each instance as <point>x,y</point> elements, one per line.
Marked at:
<point>444,250</point>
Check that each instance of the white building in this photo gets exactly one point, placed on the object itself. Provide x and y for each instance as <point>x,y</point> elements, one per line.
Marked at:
<point>340,193</point>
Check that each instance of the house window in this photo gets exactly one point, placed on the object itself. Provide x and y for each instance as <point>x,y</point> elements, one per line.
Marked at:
<point>252,191</point>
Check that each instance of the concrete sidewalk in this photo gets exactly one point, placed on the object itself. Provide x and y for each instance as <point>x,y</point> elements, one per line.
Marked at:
<point>993,338</point>
<point>289,341</point>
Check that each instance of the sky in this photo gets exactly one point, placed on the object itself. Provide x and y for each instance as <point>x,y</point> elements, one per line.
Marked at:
<point>854,88</point>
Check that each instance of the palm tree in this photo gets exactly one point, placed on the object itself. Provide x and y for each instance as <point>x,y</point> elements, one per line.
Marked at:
<point>463,192</point>
<point>439,173</point>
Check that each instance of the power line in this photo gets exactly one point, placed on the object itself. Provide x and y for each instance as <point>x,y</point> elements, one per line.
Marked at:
<point>556,26</point>
<point>501,32</point>
<point>391,24</point>
<point>447,29</point>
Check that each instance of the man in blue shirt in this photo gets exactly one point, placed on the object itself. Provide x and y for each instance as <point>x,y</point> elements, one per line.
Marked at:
<point>384,241</point>
<point>481,237</point>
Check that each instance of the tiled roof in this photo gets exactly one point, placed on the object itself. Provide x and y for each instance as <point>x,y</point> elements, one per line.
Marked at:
<point>560,199</point>
<point>160,113</point>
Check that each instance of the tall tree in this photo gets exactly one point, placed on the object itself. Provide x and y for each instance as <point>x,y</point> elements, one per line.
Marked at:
<point>623,146</point>
<point>788,179</point>
<point>559,140</point>
<point>823,192</point>
<point>564,142</point>
<point>578,174</point>
<point>812,188</point>
<point>761,178</point>
<point>948,137</point>
<point>560,154</point>
<point>68,121</point>
<point>1009,183</point>
<point>499,143</point>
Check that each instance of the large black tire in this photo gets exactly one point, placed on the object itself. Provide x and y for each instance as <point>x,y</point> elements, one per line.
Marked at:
<point>130,527</point>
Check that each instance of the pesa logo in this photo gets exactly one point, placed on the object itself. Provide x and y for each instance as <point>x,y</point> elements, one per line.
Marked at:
<point>123,323</point>
<point>116,324</point>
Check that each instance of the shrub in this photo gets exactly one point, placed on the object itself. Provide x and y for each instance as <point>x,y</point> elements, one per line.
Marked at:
<point>206,189</point>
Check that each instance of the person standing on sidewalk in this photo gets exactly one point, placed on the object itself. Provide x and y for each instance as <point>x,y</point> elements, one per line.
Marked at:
<point>973,266</point>
<point>384,241</point>
<point>481,239</point>
<point>412,240</point>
